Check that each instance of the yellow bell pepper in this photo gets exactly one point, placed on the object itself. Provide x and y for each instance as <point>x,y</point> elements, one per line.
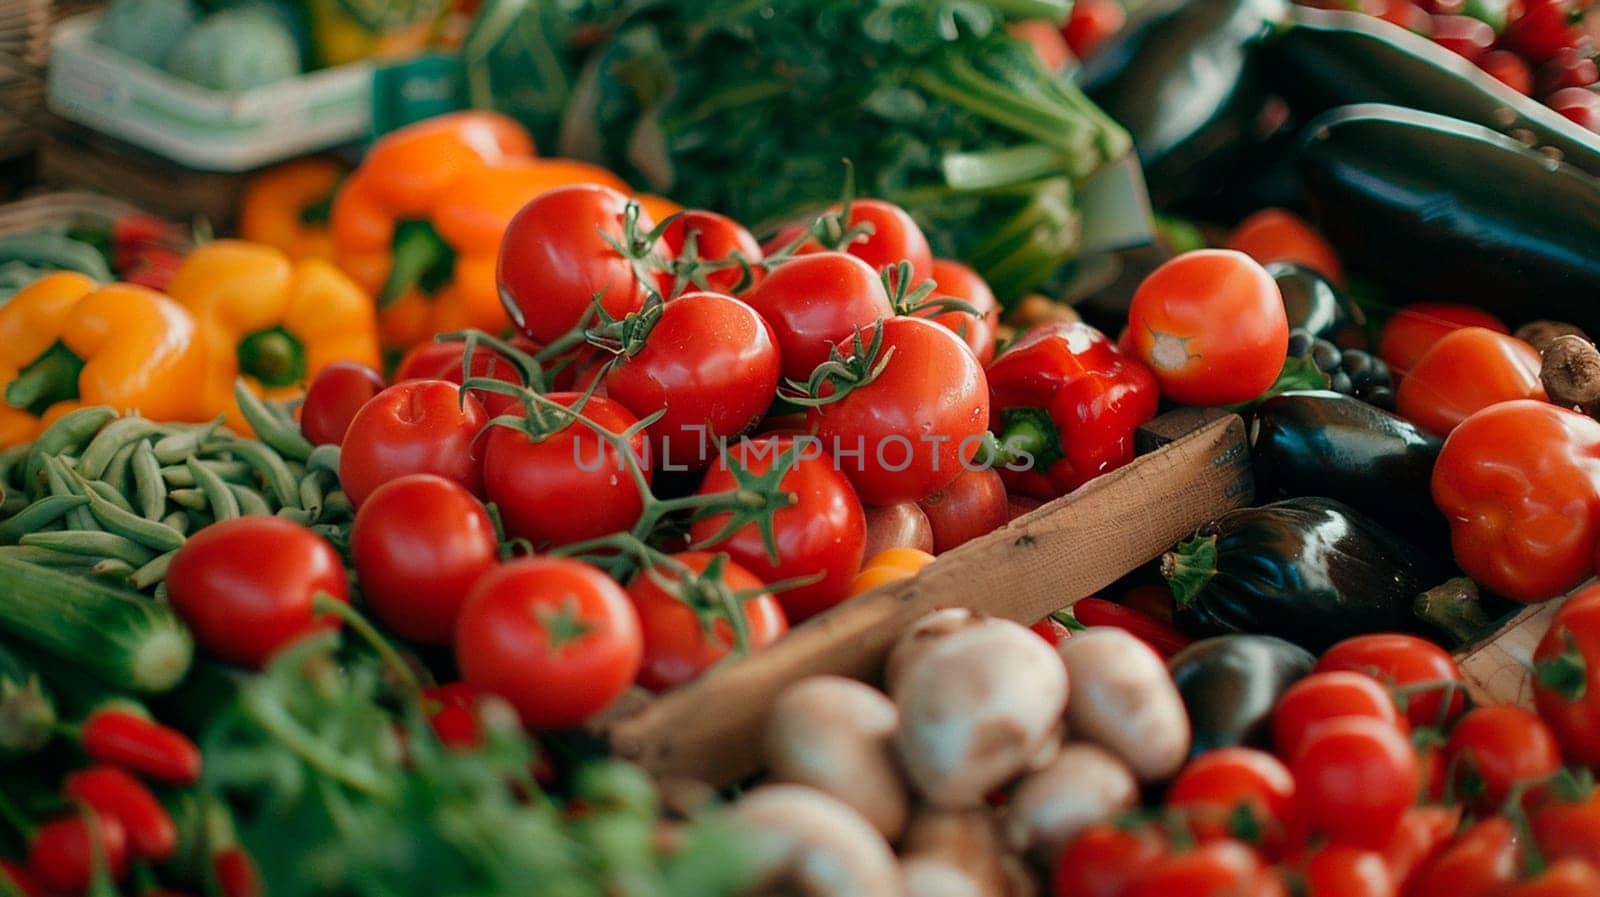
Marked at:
<point>345,32</point>
<point>274,322</point>
<point>67,342</point>
<point>288,207</point>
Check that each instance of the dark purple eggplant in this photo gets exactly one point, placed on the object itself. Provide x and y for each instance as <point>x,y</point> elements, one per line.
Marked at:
<point>1230,685</point>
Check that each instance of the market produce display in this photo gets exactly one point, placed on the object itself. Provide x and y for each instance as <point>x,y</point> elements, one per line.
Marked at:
<point>756,371</point>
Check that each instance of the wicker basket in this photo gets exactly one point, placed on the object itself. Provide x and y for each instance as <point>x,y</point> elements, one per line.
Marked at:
<point>25,27</point>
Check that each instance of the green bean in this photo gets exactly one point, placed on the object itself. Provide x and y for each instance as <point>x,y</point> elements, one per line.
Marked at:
<point>151,573</point>
<point>62,482</point>
<point>113,569</point>
<point>337,506</point>
<point>123,522</point>
<point>147,484</point>
<point>12,503</point>
<point>112,439</point>
<point>69,432</point>
<point>10,458</point>
<point>45,511</point>
<point>251,502</point>
<point>177,521</point>
<point>192,499</point>
<point>283,436</point>
<point>104,490</point>
<point>121,465</point>
<point>324,457</point>
<point>231,471</point>
<point>91,544</point>
<point>311,493</point>
<point>223,505</point>
<point>175,447</point>
<point>298,515</point>
<point>46,557</point>
<point>266,462</point>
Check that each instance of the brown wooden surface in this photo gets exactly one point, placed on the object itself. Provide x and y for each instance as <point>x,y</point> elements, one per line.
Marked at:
<point>710,728</point>
<point>1497,670</point>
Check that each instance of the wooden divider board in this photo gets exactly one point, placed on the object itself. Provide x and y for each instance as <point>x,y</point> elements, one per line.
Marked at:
<point>709,729</point>
<point>1498,669</point>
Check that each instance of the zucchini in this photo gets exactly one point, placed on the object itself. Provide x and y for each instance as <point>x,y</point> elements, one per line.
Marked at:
<point>126,641</point>
<point>56,252</point>
<point>27,712</point>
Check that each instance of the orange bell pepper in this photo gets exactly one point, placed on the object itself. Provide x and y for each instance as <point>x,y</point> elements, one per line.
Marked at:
<point>67,342</point>
<point>271,321</point>
<point>288,207</point>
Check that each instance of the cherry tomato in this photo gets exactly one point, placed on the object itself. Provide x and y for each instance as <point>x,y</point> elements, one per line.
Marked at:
<point>816,301</point>
<point>1568,830</point>
<point>245,586</point>
<point>1580,104</point>
<point>453,714</point>
<point>554,637</point>
<point>1480,863</point>
<point>1570,68</point>
<point>1336,870</point>
<point>555,258</point>
<point>1404,13</point>
<point>1567,686</point>
<point>1324,696</point>
<point>1405,662</point>
<point>571,485</point>
<point>971,505</point>
<point>1215,869</point>
<point>894,238</point>
<point>673,622</point>
<point>61,852</point>
<point>1020,505</point>
<point>1354,778</point>
<point>1565,878</point>
<point>711,363</point>
<point>1413,330</point>
<point>822,531</point>
<point>420,426</point>
<point>1438,393</point>
<point>1545,28</point>
<point>1211,325</point>
<point>1152,630</point>
<point>1423,832</point>
<point>1092,23</point>
<point>900,525</point>
<point>419,543</point>
<point>1463,35</point>
<point>890,565</point>
<point>1279,235</point>
<point>1104,860</point>
<point>957,281</point>
<point>1215,785</point>
<point>717,237</point>
<point>1509,69</point>
<point>913,429</point>
<point>1052,631</point>
<point>1495,749</point>
<point>333,398</point>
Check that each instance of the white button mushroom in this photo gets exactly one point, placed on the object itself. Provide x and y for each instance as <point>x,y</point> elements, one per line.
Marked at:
<point>1085,785</point>
<point>954,854</point>
<point>813,845</point>
<point>1124,700</point>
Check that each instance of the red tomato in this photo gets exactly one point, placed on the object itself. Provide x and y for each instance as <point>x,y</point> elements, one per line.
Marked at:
<point>1092,23</point>
<point>1545,28</point>
<point>1216,869</point>
<point>711,363</point>
<point>822,531</point>
<point>673,622</point>
<point>1423,832</point>
<point>1567,687</point>
<point>816,301</point>
<point>900,525</point>
<point>21,879</point>
<point>1480,863</point>
<point>1354,778</point>
<point>1570,68</point>
<point>1152,630</point>
<point>1509,69</point>
<point>1405,662</point>
<point>1104,859</point>
<point>570,485</point>
<point>1211,325</point>
<point>420,426</point>
<point>1580,104</point>
<point>1565,878</point>
<point>1404,13</point>
<point>555,259</point>
<point>1463,35</point>
<point>245,586</point>
<point>1566,830</point>
<point>556,638</point>
<point>1279,235</point>
<point>1466,371</point>
<point>894,238</point>
<point>1494,749</point>
<point>1324,696</point>
<point>333,398</point>
<point>447,364</point>
<point>419,543</point>
<point>957,281</point>
<point>913,429</point>
<point>716,238</point>
<point>1213,786</point>
<point>61,853</point>
<point>971,505</point>
<point>1413,330</point>
<point>1335,870</point>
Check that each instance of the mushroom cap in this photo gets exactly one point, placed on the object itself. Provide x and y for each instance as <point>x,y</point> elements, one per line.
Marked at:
<point>816,845</point>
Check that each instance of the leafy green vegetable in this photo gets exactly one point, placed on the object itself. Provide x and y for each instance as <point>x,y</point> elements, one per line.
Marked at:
<point>329,803</point>
<point>237,49</point>
<point>145,30</point>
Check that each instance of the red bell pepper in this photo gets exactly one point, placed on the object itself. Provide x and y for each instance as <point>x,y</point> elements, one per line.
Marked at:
<point>1520,484</point>
<point>1066,397</point>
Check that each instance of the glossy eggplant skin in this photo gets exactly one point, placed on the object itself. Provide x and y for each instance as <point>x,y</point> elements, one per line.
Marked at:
<point>1314,304</point>
<point>1329,58</point>
<point>1230,685</point>
<point>1309,570</point>
<point>1182,78</point>
<point>1441,209</point>
<point>1322,443</point>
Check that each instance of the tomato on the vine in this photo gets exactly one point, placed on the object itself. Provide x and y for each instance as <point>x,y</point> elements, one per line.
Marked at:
<point>1214,786</point>
<point>1354,778</point>
<point>333,398</point>
<point>1211,325</point>
<point>978,327</point>
<point>570,484</point>
<point>418,544</point>
<point>556,638</point>
<point>911,429</point>
<point>1480,863</point>
<point>1409,664</point>
<point>815,302</point>
<point>685,629</point>
<point>711,364</point>
<point>245,586</point>
<point>1497,748</point>
<point>1564,878</point>
<point>894,238</point>
<point>1104,859</point>
<point>1337,870</point>
<point>716,239</point>
<point>555,258</point>
<point>1569,830</point>
<point>1215,869</point>
<point>1567,677</point>
<point>1422,833</point>
<point>823,531</point>
<point>1323,696</point>
<point>419,426</point>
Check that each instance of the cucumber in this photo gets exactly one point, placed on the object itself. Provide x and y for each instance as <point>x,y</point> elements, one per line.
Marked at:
<point>126,641</point>
<point>27,712</point>
<point>56,252</point>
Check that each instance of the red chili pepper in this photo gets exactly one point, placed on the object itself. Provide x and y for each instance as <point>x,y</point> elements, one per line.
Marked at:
<point>125,739</point>
<point>61,854</point>
<point>21,879</point>
<point>112,792</point>
<point>1166,639</point>
<point>1065,395</point>
<point>237,875</point>
<point>1053,631</point>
